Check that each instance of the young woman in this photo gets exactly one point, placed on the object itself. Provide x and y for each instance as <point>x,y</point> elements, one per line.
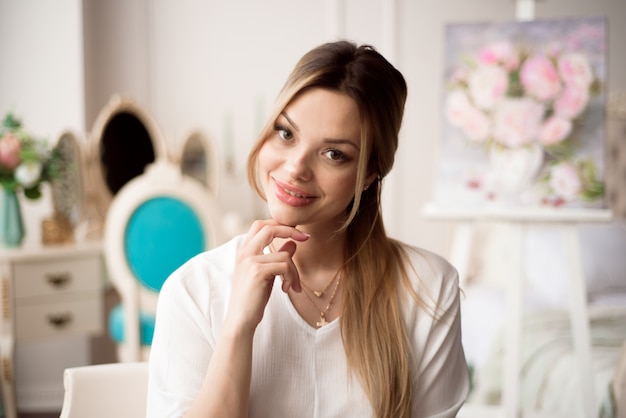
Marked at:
<point>315,312</point>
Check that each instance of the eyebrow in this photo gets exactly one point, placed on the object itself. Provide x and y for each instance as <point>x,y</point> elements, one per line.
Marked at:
<point>329,140</point>
<point>291,122</point>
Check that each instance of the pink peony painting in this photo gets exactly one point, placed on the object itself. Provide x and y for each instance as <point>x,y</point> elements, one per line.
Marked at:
<point>523,114</point>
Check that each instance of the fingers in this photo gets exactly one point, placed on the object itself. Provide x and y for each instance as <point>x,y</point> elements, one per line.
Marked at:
<point>291,280</point>
<point>262,233</point>
<point>256,269</point>
<point>289,247</point>
<point>278,263</point>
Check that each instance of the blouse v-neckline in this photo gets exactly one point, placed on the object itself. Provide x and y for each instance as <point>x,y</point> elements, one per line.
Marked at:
<point>293,312</point>
<point>295,315</point>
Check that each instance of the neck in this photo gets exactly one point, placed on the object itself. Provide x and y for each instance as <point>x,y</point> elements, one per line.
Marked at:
<point>322,254</point>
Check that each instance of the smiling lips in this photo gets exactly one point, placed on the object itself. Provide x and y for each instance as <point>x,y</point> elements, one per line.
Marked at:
<point>291,196</point>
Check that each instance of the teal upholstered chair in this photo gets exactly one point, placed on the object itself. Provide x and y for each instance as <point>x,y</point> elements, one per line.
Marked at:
<point>155,223</point>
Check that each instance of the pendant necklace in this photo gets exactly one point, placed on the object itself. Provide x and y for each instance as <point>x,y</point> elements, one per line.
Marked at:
<point>323,313</point>
<point>317,293</point>
<point>320,293</point>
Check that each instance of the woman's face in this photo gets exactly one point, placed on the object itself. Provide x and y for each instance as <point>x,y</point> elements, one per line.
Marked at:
<point>308,166</point>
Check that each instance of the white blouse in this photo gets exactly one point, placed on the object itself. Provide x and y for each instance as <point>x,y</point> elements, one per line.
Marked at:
<point>299,371</point>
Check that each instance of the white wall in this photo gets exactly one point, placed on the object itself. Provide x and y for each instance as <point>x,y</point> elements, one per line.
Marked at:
<point>41,75</point>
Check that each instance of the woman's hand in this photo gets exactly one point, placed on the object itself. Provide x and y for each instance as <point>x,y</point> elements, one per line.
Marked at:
<point>226,387</point>
<point>255,271</point>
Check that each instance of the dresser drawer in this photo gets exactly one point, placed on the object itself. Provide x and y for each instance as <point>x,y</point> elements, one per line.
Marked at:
<point>57,276</point>
<point>83,314</point>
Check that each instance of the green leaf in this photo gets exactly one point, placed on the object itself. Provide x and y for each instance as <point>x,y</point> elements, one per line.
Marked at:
<point>593,188</point>
<point>11,123</point>
<point>515,85</point>
<point>33,193</point>
<point>9,183</point>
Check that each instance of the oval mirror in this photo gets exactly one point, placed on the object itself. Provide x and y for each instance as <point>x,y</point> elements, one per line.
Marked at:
<point>123,141</point>
<point>67,187</point>
<point>125,150</point>
<point>198,159</point>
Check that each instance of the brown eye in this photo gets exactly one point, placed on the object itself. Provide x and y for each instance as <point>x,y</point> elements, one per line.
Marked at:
<point>284,134</point>
<point>335,155</point>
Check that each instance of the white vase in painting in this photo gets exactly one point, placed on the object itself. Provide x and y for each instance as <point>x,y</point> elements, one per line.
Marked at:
<point>511,170</point>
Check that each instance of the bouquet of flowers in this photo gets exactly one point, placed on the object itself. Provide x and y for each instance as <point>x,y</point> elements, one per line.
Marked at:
<point>509,98</point>
<point>25,162</point>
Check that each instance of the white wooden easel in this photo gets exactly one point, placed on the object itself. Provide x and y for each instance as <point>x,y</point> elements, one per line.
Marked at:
<point>517,220</point>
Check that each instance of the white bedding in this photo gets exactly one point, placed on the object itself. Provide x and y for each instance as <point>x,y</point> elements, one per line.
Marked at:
<point>550,381</point>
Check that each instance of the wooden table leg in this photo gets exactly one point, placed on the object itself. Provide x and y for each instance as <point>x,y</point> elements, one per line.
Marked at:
<point>7,345</point>
<point>579,318</point>
<point>461,249</point>
<point>514,323</point>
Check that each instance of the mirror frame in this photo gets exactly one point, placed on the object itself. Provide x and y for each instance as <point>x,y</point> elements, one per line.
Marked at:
<point>74,178</point>
<point>97,190</point>
<point>211,176</point>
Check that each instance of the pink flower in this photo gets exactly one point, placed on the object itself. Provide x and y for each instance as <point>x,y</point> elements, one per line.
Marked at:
<point>572,102</point>
<point>460,112</point>
<point>540,78</point>
<point>565,181</point>
<point>553,49</point>
<point>500,52</point>
<point>476,125</point>
<point>457,104</point>
<point>517,121</point>
<point>10,147</point>
<point>554,130</point>
<point>487,85</point>
<point>575,70</point>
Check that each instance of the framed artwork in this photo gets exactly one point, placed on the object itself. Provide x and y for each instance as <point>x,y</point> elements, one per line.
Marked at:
<point>523,114</point>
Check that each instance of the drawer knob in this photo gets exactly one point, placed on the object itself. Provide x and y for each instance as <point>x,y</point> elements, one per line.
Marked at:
<point>60,320</point>
<point>59,280</point>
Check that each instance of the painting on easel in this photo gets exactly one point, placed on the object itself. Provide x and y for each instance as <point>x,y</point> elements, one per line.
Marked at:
<point>523,114</point>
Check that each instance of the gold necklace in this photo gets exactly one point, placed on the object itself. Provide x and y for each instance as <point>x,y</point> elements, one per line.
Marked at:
<point>320,293</point>
<point>323,313</point>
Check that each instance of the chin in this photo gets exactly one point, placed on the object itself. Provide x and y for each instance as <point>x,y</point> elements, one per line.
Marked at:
<point>284,218</point>
<point>286,215</point>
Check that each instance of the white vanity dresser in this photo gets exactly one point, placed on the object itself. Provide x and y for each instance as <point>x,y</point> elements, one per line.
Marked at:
<point>49,295</point>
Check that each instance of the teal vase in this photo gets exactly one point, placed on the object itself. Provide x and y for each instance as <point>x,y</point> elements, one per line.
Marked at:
<point>11,223</point>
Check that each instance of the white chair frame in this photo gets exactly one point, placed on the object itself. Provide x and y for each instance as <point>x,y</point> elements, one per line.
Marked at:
<point>161,178</point>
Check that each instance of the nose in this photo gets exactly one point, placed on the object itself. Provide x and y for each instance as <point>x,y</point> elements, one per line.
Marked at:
<point>298,164</point>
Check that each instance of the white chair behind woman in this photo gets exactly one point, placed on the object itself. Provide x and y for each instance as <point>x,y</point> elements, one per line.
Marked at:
<point>155,223</point>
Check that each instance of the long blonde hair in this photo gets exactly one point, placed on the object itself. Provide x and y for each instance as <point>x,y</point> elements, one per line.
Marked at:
<point>372,327</point>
